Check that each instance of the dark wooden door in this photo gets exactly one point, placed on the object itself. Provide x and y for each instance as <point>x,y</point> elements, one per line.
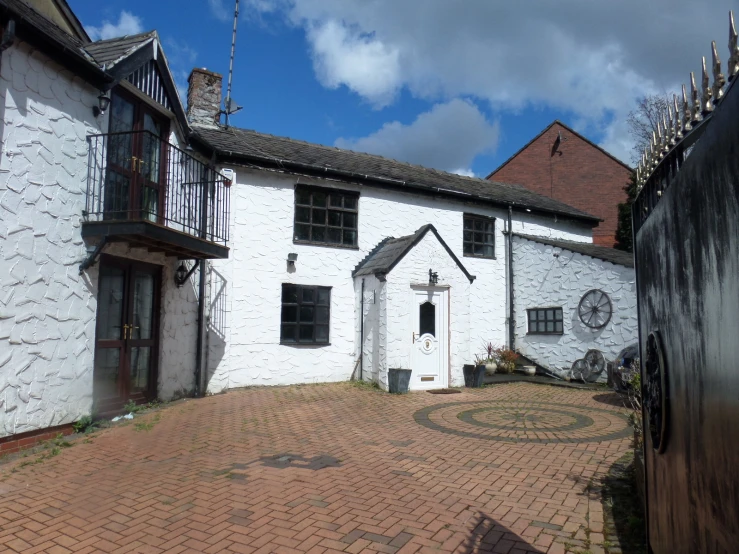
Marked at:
<point>135,157</point>
<point>126,349</point>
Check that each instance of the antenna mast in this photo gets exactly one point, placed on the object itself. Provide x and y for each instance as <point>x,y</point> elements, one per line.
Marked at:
<point>229,109</point>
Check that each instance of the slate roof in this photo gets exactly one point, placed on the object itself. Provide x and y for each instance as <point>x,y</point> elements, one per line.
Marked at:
<point>588,249</point>
<point>264,150</point>
<point>386,255</point>
<point>106,52</point>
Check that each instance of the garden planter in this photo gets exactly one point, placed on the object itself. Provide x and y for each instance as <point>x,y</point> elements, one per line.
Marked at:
<point>529,369</point>
<point>469,371</point>
<point>491,368</point>
<point>474,376</point>
<point>399,380</point>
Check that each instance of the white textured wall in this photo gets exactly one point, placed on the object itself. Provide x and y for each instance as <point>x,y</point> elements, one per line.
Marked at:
<point>47,310</point>
<point>414,269</point>
<point>540,279</point>
<point>375,326</point>
<point>262,205</point>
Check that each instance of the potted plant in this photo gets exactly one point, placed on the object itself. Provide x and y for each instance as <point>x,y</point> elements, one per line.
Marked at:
<point>491,364</point>
<point>475,377</point>
<point>506,359</point>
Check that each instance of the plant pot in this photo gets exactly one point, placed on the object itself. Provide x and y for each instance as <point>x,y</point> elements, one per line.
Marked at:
<point>399,380</point>
<point>529,369</point>
<point>478,376</point>
<point>490,368</point>
<point>469,374</point>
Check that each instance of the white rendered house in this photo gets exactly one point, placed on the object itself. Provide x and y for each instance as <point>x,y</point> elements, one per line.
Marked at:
<point>152,253</point>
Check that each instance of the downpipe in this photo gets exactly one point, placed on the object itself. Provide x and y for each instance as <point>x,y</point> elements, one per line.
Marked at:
<point>511,318</point>
<point>199,389</point>
<point>361,335</point>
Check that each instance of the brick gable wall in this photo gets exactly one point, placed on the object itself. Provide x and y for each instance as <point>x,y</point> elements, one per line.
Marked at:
<point>577,174</point>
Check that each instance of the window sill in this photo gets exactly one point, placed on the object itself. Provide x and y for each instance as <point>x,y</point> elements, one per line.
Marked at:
<point>325,245</point>
<point>305,344</point>
<point>545,333</point>
<point>479,257</point>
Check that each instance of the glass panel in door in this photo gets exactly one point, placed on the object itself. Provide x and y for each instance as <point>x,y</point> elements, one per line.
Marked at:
<point>151,168</point>
<point>142,331</point>
<point>107,385</point>
<point>120,154</point>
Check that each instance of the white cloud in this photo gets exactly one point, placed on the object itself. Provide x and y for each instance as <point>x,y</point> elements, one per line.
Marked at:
<point>588,59</point>
<point>449,137</point>
<point>219,10</point>
<point>344,56</point>
<point>464,172</point>
<point>128,24</point>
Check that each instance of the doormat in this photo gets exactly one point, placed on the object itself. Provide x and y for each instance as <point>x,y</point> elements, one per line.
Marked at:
<point>444,391</point>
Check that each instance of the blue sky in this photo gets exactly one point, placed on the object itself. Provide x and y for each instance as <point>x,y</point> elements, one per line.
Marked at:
<point>449,84</point>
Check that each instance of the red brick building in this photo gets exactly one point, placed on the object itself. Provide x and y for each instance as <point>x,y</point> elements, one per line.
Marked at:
<point>564,165</point>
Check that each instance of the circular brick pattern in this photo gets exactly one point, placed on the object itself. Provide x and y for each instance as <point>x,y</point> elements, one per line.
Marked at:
<point>535,422</point>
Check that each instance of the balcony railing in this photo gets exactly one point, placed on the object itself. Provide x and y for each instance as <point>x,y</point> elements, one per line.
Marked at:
<point>137,176</point>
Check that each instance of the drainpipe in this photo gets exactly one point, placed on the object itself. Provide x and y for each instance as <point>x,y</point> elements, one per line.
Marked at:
<point>361,336</point>
<point>201,325</point>
<point>208,177</point>
<point>511,319</point>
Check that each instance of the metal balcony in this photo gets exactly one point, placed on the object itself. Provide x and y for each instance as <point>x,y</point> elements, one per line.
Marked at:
<point>146,192</point>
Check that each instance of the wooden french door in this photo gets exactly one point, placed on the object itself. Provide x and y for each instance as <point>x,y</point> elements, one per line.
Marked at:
<point>126,341</point>
<point>136,170</point>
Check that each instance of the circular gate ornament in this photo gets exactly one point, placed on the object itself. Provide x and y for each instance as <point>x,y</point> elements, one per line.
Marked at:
<point>655,392</point>
<point>595,309</point>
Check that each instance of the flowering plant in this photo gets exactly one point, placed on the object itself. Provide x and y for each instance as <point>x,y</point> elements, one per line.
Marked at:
<point>506,358</point>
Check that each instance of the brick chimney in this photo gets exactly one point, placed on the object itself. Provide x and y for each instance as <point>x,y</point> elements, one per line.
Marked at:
<point>204,98</point>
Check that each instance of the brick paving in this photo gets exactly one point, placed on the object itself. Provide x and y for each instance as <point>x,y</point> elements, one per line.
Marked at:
<point>326,469</point>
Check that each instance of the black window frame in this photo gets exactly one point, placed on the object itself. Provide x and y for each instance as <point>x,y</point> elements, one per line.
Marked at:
<point>331,208</point>
<point>557,310</point>
<point>296,324</point>
<point>472,218</point>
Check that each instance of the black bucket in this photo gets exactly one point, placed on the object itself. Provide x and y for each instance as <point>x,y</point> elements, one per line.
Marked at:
<point>399,380</point>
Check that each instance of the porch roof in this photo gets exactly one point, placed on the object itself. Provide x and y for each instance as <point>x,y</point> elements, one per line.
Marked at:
<point>587,249</point>
<point>386,255</point>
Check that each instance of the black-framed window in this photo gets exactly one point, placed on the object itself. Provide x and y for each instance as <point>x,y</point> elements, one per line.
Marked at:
<point>545,321</point>
<point>478,236</point>
<point>326,216</point>
<point>306,311</point>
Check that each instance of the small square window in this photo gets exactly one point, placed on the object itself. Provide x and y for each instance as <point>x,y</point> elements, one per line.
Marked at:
<point>545,321</point>
<point>306,311</point>
<point>325,216</point>
<point>478,236</point>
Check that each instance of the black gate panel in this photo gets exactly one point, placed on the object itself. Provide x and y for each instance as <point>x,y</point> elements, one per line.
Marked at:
<point>687,263</point>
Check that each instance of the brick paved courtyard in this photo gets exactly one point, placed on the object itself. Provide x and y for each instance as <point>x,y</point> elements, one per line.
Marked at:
<point>325,469</point>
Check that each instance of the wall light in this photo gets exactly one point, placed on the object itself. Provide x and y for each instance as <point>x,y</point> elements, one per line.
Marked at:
<point>291,259</point>
<point>103,104</point>
<point>433,278</point>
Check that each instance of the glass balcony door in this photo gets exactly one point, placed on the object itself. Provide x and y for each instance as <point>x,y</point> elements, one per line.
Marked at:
<point>135,164</point>
<point>126,342</point>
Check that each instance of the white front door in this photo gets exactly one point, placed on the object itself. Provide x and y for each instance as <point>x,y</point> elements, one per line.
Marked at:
<point>429,354</point>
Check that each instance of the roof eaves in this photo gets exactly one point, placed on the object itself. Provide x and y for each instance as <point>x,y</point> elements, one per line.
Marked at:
<point>69,54</point>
